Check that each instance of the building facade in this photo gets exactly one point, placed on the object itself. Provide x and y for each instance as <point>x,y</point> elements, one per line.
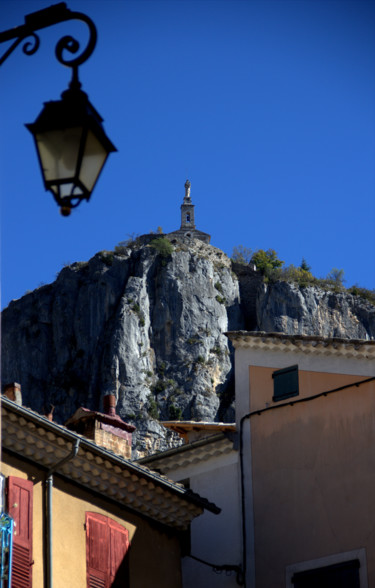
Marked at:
<point>84,516</point>
<point>208,464</point>
<point>305,412</point>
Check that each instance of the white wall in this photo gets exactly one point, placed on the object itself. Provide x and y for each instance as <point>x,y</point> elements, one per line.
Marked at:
<point>214,538</point>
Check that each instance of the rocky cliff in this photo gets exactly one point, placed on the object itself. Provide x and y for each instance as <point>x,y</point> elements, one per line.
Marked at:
<point>287,308</point>
<point>148,324</point>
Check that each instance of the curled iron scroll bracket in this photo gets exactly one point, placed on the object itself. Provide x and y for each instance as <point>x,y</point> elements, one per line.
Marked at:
<point>66,45</point>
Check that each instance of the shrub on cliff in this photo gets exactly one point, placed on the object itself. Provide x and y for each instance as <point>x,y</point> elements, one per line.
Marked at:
<point>241,254</point>
<point>163,246</point>
<point>368,295</point>
<point>298,275</point>
<point>335,278</point>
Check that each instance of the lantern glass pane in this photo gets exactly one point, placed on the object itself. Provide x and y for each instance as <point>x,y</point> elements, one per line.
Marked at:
<point>94,157</point>
<point>70,189</point>
<point>64,190</point>
<point>59,152</point>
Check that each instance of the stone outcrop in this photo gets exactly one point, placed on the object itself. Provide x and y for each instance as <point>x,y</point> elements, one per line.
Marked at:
<point>148,325</point>
<point>288,308</point>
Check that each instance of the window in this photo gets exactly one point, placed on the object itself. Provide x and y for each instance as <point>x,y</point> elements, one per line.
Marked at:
<point>107,544</point>
<point>188,217</point>
<point>341,575</point>
<point>20,508</point>
<point>285,383</point>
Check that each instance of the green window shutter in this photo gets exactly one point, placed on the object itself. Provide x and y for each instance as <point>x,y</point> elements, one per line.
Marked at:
<point>285,383</point>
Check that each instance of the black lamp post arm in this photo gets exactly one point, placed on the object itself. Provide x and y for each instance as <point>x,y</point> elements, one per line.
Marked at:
<point>45,18</point>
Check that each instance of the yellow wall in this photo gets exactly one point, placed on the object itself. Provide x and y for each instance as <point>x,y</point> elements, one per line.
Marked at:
<point>69,535</point>
<point>313,473</point>
<point>154,555</point>
<point>28,472</point>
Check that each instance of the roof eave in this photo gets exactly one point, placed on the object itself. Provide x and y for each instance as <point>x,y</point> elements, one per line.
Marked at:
<point>98,469</point>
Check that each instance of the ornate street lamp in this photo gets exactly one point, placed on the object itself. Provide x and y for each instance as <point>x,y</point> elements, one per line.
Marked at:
<point>70,140</point>
<point>72,147</point>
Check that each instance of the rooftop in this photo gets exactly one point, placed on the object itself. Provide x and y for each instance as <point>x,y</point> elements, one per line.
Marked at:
<point>115,420</point>
<point>182,427</point>
<point>191,453</point>
<point>45,443</point>
<point>309,344</point>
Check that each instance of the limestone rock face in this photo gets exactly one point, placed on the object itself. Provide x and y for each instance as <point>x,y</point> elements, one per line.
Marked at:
<point>144,326</point>
<point>287,308</point>
<point>149,327</point>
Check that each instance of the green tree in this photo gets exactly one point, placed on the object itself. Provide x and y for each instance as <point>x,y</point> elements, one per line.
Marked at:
<point>267,261</point>
<point>304,265</point>
<point>241,254</point>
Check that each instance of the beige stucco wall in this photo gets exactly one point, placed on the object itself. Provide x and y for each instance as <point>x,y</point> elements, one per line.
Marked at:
<point>149,542</point>
<point>313,474</point>
<point>310,384</point>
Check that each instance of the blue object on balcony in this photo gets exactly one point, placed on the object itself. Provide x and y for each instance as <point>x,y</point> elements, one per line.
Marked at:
<point>6,538</point>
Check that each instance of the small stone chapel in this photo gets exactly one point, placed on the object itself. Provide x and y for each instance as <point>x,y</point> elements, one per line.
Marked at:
<point>187,228</point>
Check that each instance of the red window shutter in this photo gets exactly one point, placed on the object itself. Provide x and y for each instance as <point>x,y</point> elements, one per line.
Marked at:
<point>119,544</point>
<point>97,553</point>
<point>20,508</point>
<point>106,545</point>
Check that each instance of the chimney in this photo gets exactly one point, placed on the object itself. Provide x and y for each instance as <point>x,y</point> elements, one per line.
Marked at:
<point>109,404</point>
<point>106,429</point>
<point>13,392</point>
<point>49,415</point>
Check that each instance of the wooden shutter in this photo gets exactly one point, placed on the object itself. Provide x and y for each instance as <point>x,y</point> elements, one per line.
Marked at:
<point>106,545</point>
<point>285,383</point>
<point>20,508</point>
<point>119,544</point>
<point>97,552</point>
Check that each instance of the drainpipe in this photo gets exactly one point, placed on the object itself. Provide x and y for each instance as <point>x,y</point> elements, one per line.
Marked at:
<point>243,502</point>
<point>49,486</point>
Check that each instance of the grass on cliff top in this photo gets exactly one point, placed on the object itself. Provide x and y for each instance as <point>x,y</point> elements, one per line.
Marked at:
<point>273,270</point>
<point>160,243</point>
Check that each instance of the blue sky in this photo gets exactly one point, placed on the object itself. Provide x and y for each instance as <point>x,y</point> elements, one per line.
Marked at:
<point>266,106</point>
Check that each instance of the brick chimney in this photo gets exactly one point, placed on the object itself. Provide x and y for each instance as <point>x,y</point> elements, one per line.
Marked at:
<point>106,429</point>
<point>109,404</point>
<point>49,415</point>
<point>13,392</point>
